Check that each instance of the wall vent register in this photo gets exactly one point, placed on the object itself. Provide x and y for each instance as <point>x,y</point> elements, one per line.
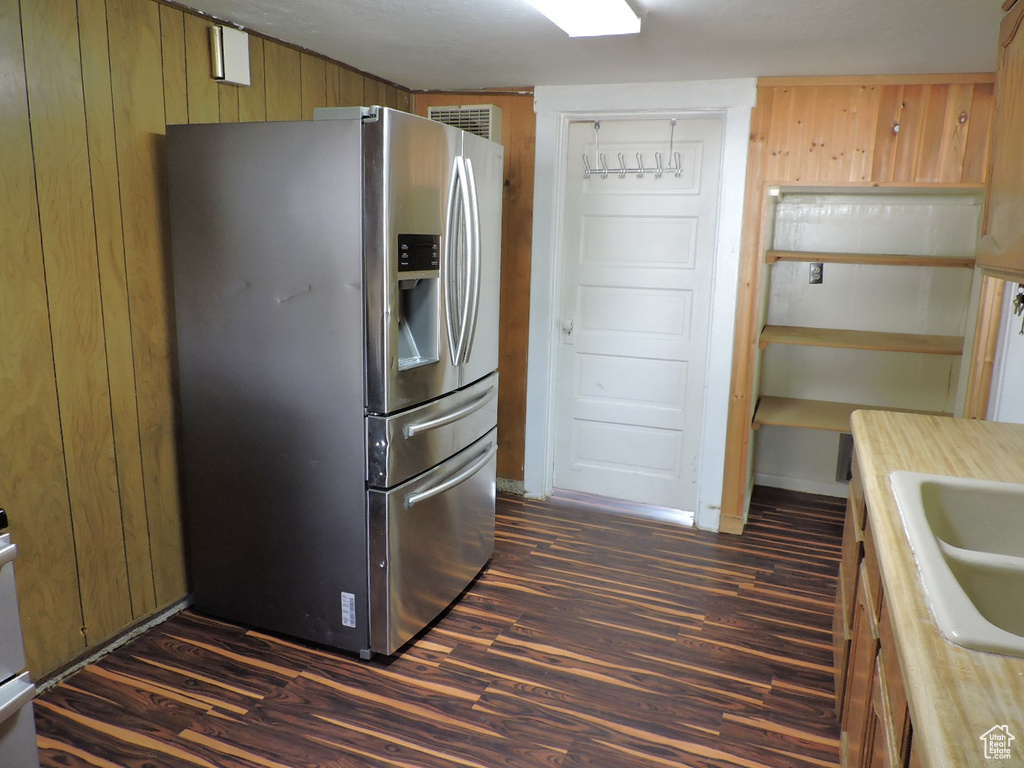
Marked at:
<point>480,119</point>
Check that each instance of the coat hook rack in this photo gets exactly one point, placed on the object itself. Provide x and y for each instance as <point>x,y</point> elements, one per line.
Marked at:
<point>601,168</point>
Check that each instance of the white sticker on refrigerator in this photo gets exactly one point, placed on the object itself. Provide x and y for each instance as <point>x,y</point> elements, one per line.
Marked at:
<point>348,609</point>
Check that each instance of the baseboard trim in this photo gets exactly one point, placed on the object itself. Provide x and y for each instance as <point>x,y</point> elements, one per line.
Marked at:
<point>627,508</point>
<point>515,487</point>
<point>95,654</point>
<point>833,489</point>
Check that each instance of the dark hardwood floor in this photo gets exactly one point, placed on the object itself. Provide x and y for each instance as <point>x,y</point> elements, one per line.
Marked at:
<point>591,641</point>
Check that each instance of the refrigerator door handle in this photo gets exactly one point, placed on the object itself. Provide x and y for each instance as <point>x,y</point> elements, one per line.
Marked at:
<point>415,498</point>
<point>467,266</point>
<point>18,692</point>
<point>450,418</point>
<point>475,261</point>
<point>451,232</point>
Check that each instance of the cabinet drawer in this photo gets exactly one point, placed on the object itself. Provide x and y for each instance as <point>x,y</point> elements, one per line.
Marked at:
<point>840,647</point>
<point>871,573</point>
<point>894,689</point>
<point>856,499</point>
<point>886,746</point>
<point>849,564</point>
<point>857,709</point>
<point>914,761</point>
<point>12,652</point>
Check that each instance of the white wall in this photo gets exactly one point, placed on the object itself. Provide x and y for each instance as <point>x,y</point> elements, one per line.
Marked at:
<point>555,107</point>
<point>1007,401</point>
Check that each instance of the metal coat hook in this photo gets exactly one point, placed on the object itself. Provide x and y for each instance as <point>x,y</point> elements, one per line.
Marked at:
<point>600,165</point>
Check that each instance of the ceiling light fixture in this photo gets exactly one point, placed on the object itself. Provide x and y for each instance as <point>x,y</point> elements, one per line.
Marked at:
<point>590,18</point>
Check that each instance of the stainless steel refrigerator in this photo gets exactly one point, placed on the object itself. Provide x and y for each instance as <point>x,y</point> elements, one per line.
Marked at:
<point>336,295</point>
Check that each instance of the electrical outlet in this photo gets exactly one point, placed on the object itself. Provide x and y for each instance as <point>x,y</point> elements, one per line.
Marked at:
<point>815,276</point>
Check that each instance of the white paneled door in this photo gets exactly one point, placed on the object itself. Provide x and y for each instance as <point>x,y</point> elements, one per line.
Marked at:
<point>637,268</point>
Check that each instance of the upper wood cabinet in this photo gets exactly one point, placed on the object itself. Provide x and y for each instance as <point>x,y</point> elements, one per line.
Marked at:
<point>1001,248</point>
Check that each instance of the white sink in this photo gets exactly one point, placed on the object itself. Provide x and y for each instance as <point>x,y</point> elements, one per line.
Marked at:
<point>968,540</point>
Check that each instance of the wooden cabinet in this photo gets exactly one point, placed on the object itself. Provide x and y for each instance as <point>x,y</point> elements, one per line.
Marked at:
<point>870,697</point>
<point>1001,249</point>
<point>847,589</point>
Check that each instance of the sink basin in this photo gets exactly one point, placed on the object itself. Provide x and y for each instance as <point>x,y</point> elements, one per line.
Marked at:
<point>974,514</point>
<point>968,541</point>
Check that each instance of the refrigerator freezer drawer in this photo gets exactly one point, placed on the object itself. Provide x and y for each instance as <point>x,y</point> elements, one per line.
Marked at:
<point>429,538</point>
<point>17,726</point>
<point>401,446</point>
<point>12,652</point>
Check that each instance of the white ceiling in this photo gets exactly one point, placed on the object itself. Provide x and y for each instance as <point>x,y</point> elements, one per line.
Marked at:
<point>466,44</point>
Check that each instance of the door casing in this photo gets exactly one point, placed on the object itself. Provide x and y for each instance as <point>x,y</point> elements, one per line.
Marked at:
<point>556,107</point>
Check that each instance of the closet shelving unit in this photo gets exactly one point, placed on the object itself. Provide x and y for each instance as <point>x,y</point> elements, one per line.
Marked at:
<point>779,409</point>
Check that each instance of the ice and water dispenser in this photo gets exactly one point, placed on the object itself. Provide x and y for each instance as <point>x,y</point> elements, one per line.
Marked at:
<point>419,260</point>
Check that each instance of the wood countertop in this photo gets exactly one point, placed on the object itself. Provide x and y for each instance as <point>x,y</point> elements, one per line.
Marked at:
<point>955,694</point>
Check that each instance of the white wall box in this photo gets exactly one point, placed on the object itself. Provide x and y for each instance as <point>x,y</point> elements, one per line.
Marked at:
<point>886,328</point>
<point>229,55</point>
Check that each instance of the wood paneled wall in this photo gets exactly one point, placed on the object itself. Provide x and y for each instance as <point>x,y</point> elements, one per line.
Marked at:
<point>518,130</point>
<point>909,132</point>
<point>88,467</point>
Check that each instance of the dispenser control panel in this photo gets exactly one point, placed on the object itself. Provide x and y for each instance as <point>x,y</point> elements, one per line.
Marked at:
<point>419,253</point>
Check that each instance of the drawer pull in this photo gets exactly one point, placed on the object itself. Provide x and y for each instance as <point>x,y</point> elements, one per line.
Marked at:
<point>415,498</point>
<point>450,418</point>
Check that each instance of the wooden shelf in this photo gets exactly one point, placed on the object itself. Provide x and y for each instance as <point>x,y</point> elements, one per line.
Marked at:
<point>814,414</point>
<point>873,340</point>
<point>879,259</point>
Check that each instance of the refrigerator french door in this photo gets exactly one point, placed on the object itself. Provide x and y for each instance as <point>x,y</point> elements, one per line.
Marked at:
<point>336,291</point>
<point>486,168</point>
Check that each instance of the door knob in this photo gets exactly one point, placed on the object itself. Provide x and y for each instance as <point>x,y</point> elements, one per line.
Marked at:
<point>567,326</point>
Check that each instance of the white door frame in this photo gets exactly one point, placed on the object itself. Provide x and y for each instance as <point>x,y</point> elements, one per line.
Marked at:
<point>556,107</point>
